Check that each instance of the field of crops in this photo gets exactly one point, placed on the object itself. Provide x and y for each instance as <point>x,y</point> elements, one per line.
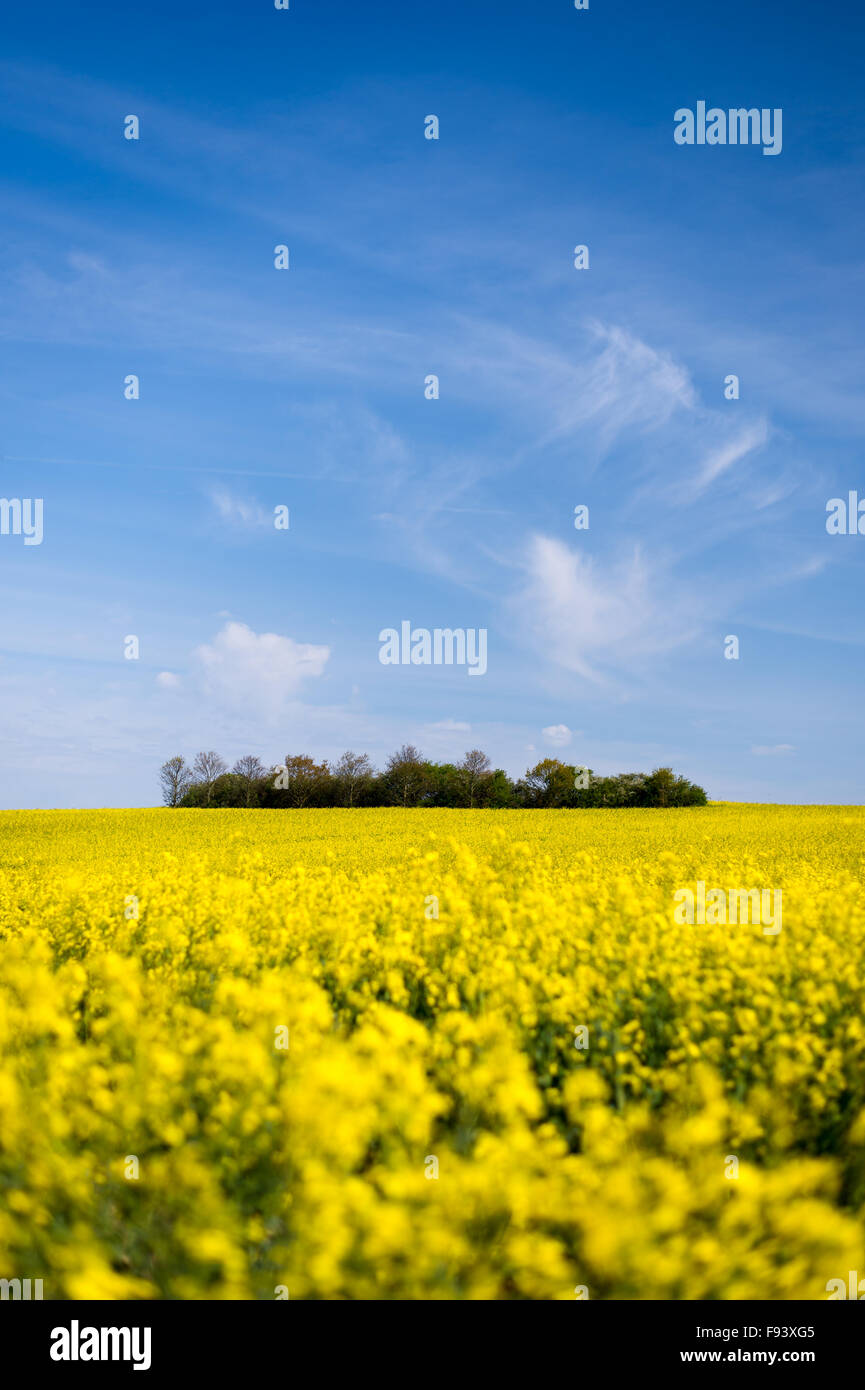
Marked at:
<point>430,1054</point>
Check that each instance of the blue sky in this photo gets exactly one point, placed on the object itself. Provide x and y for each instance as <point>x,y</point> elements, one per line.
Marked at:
<point>305,388</point>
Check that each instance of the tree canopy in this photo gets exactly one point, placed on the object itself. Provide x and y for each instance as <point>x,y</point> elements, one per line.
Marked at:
<point>410,779</point>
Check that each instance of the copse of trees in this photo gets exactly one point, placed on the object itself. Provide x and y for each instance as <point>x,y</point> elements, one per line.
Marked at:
<point>409,779</point>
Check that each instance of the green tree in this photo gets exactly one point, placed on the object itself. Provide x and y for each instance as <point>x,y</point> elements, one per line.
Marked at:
<point>442,785</point>
<point>474,771</point>
<point>250,770</point>
<point>498,791</point>
<point>353,774</point>
<point>301,781</point>
<point>205,770</point>
<point>405,776</point>
<point>549,783</point>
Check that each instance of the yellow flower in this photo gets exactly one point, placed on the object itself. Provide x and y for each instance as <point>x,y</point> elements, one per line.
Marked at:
<point>283,1072</point>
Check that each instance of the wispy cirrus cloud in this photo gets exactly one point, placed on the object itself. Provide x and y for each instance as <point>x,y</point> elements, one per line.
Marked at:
<point>728,454</point>
<point>596,620</point>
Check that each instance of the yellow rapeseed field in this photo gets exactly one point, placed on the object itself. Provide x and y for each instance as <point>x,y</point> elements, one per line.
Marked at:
<point>430,1054</point>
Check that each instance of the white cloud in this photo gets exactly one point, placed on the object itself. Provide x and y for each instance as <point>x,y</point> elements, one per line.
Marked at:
<point>580,616</point>
<point>762,750</point>
<point>239,511</point>
<point>619,383</point>
<point>559,735</point>
<point>808,568</point>
<point>454,726</point>
<point>245,670</point>
<point>167,680</point>
<point>731,452</point>
<point>628,384</point>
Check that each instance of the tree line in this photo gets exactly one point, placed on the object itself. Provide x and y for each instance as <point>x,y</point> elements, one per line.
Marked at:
<point>410,779</point>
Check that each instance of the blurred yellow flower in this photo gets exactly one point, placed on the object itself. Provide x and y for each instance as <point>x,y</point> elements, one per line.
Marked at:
<point>283,1073</point>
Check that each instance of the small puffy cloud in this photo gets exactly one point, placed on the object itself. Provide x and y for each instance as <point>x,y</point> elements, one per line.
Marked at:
<point>256,672</point>
<point>167,680</point>
<point>450,726</point>
<point>559,735</point>
<point>763,750</point>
